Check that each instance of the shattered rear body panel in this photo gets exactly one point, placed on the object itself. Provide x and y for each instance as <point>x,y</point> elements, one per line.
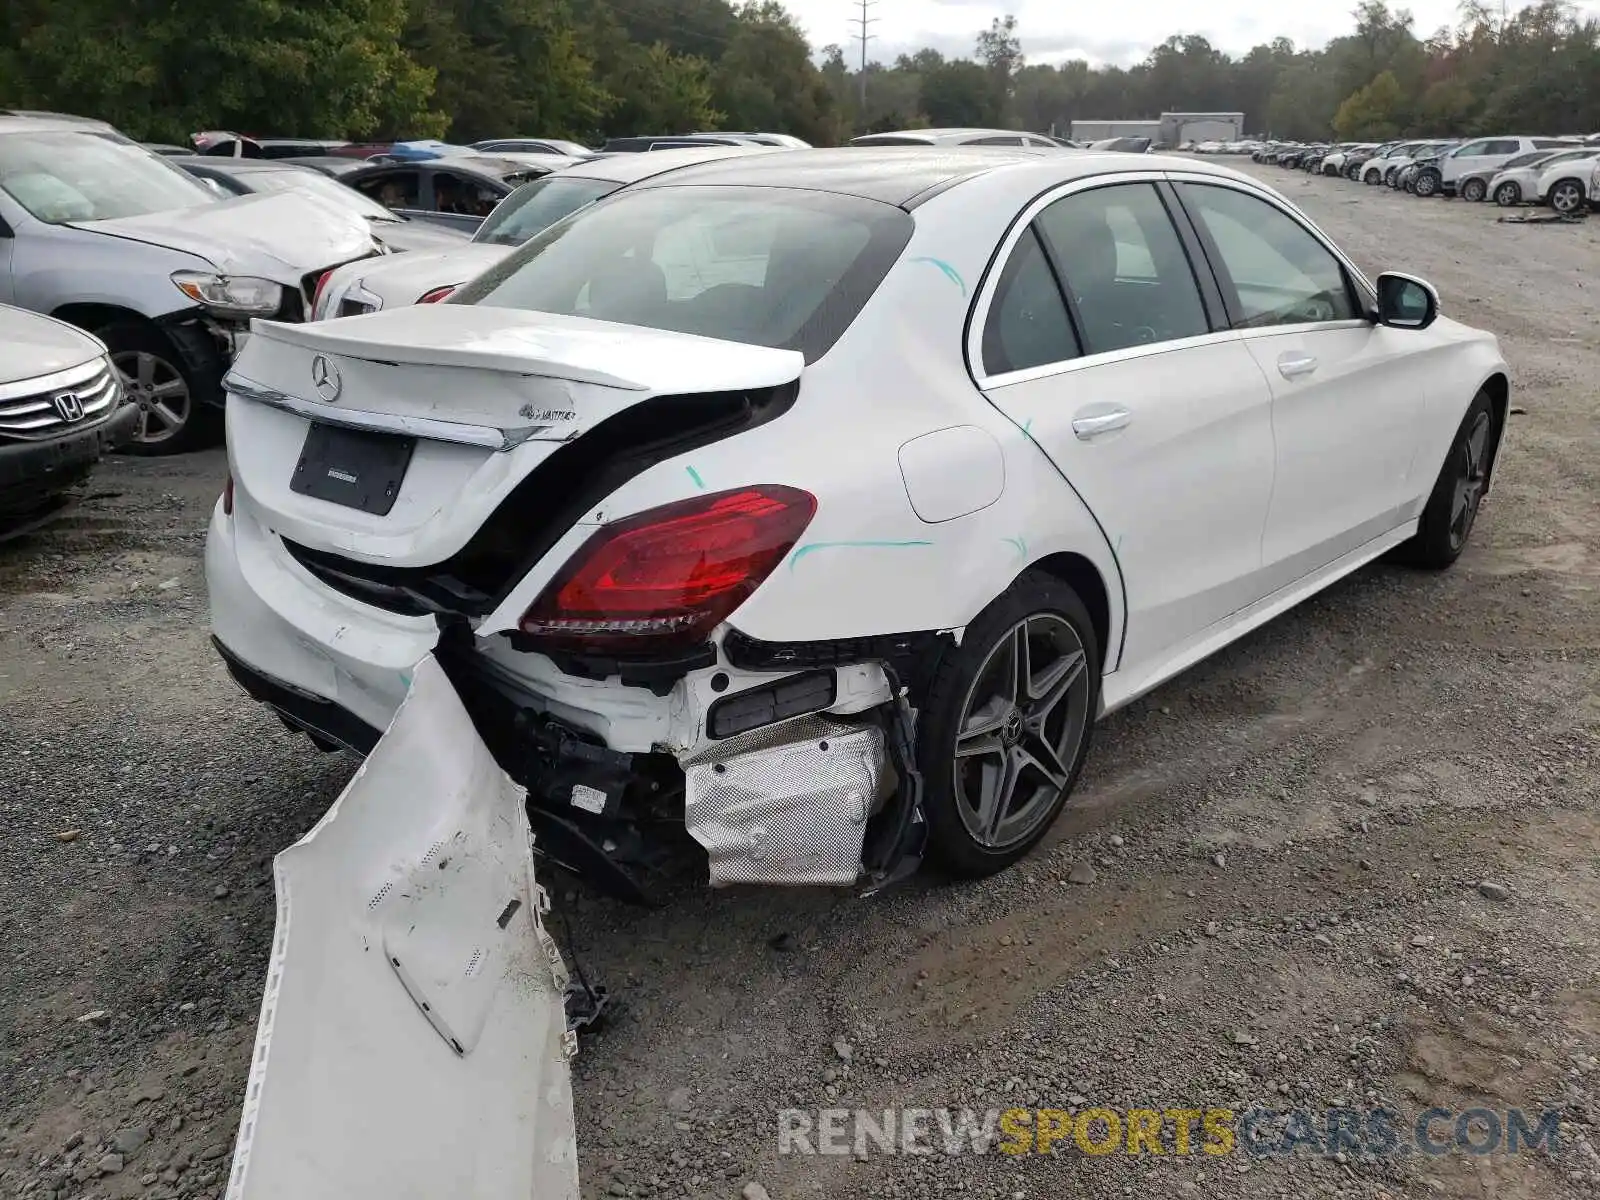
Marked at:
<point>413,1038</point>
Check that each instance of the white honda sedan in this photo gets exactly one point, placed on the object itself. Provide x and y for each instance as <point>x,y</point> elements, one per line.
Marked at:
<point>820,502</point>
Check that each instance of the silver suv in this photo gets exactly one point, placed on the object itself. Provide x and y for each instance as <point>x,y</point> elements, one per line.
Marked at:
<point>103,234</point>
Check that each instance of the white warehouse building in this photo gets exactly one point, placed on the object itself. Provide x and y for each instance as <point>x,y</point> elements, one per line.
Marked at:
<point>1174,128</point>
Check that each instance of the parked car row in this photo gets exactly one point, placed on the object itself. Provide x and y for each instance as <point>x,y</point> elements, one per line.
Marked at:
<point>1560,172</point>
<point>163,255</point>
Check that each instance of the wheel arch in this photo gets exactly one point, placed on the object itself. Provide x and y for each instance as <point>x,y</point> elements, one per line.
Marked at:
<point>1498,388</point>
<point>93,316</point>
<point>1084,578</point>
<point>1574,180</point>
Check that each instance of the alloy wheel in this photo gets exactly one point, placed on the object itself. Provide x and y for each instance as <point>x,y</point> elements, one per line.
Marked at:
<point>1472,472</point>
<point>1508,195</point>
<point>1566,197</point>
<point>1426,184</point>
<point>159,389</point>
<point>1022,727</point>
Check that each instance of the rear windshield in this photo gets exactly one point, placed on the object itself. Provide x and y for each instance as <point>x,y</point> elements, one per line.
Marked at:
<point>304,179</point>
<point>536,206</point>
<point>766,266</point>
<point>92,176</point>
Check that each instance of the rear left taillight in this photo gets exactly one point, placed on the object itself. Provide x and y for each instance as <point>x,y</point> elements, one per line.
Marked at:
<point>665,578</point>
<point>227,497</point>
<point>438,294</point>
<point>316,296</point>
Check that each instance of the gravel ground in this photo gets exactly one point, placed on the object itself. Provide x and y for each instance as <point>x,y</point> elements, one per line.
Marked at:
<point>1355,857</point>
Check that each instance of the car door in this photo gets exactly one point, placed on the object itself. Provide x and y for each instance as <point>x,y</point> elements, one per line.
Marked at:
<point>10,215</point>
<point>1099,340</point>
<point>1348,394</point>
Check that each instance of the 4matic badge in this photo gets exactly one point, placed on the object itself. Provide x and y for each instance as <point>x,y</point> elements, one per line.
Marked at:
<point>546,416</point>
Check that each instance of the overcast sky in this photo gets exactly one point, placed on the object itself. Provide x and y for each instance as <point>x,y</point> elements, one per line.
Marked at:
<point>1103,33</point>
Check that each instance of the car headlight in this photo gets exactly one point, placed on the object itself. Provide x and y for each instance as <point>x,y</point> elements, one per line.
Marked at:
<point>230,295</point>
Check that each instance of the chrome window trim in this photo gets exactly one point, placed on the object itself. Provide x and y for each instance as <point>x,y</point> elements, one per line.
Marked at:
<point>487,437</point>
<point>984,300</point>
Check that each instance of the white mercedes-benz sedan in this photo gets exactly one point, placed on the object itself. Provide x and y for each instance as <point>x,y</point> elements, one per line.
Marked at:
<point>820,502</point>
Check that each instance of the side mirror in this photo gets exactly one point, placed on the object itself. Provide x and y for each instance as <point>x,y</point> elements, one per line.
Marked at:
<point>1406,302</point>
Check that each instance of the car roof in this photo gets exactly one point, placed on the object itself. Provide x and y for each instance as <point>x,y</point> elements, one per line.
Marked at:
<point>21,121</point>
<point>907,175</point>
<point>890,174</point>
<point>244,166</point>
<point>630,168</point>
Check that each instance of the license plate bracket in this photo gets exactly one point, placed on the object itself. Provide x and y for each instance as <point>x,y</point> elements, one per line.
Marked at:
<point>357,468</point>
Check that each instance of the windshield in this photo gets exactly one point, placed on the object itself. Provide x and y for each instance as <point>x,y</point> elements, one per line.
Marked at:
<point>1568,156</point>
<point>1526,160</point>
<point>538,205</point>
<point>73,175</point>
<point>301,179</point>
<point>761,265</point>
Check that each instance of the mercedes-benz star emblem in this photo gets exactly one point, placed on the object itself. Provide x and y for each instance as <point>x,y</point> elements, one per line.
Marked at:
<point>325,378</point>
<point>69,405</point>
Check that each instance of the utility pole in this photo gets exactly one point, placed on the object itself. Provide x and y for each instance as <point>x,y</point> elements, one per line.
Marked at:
<point>862,22</point>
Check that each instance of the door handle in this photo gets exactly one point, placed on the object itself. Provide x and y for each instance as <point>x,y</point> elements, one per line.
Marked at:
<point>1292,366</point>
<point>1088,427</point>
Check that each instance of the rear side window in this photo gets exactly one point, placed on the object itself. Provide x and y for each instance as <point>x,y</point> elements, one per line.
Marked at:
<point>996,140</point>
<point>393,189</point>
<point>765,266</point>
<point>1027,324</point>
<point>1550,143</point>
<point>1124,267</point>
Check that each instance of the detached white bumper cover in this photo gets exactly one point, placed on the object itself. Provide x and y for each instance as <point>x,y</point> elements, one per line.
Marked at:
<point>412,1040</point>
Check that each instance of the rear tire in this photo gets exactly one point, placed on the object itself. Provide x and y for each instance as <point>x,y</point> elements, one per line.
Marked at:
<point>999,747</point>
<point>172,416</point>
<point>1453,504</point>
<point>1567,196</point>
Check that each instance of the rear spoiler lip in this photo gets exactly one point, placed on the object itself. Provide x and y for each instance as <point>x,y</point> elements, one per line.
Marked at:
<point>485,437</point>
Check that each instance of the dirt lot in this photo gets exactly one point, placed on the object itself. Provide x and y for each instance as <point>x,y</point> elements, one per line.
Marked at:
<point>1287,845</point>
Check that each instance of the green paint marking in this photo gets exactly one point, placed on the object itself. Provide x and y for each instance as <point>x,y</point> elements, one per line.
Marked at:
<point>1027,430</point>
<point>405,680</point>
<point>1019,543</point>
<point>950,272</point>
<point>695,475</point>
<point>805,550</point>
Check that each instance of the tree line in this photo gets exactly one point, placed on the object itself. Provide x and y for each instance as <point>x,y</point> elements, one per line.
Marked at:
<point>469,69</point>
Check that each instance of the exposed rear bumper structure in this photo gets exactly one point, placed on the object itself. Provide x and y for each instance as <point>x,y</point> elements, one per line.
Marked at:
<point>783,772</point>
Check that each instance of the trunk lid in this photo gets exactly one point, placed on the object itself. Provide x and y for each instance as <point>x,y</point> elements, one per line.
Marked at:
<point>281,237</point>
<point>488,394</point>
<point>413,1034</point>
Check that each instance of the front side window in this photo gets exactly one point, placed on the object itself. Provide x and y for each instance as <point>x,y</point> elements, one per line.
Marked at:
<point>92,176</point>
<point>1124,266</point>
<point>463,194</point>
<point>766,266</point>
<point>1503,146</point>
<point>1280,273</point>
<point>1473,150</point>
